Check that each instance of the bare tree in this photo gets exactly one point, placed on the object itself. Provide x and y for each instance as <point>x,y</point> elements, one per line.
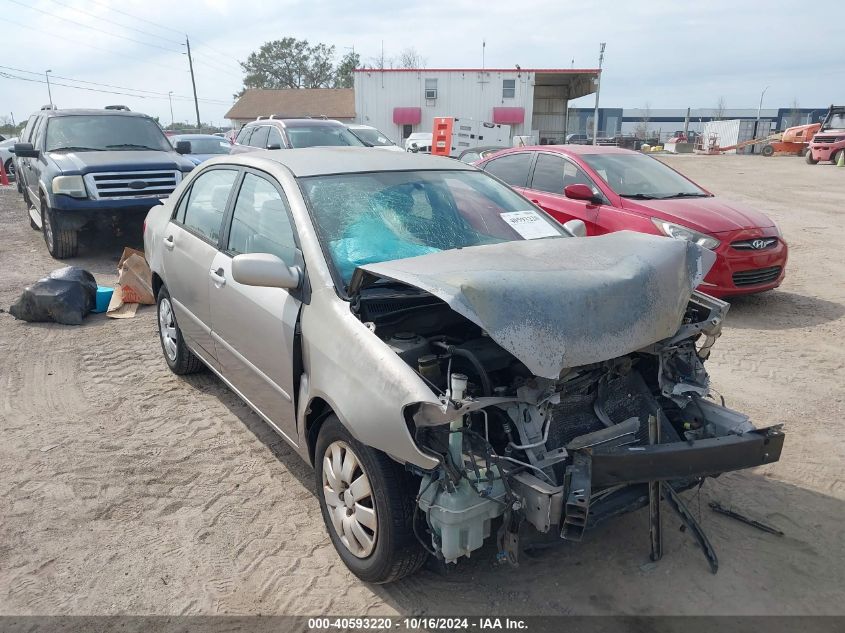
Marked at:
<point>720,109</point>
<point>411,58</point>
<point>795,113</point>
<point>641,131</point>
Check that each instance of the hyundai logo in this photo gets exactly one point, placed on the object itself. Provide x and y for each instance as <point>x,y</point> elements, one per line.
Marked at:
<point>756,244</point>
<point>140,184</point>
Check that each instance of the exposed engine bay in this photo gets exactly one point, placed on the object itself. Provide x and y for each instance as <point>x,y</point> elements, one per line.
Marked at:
<point>515,445</point>
<point>563,453</point>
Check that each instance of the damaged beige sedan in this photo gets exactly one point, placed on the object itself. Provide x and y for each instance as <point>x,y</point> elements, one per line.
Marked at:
<point>456,365</point>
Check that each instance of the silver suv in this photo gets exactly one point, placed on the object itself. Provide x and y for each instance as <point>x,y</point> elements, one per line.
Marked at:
<point>272,133</point>
<point>441,351</point>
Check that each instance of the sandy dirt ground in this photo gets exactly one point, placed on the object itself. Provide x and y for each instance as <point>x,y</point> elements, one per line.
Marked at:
<point>124,489</point>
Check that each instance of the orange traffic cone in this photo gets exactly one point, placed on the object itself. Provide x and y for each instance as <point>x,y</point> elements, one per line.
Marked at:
<point>4,180</point>
<point>840,159</point>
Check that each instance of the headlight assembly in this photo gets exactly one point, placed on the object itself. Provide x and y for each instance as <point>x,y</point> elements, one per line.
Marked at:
<point>70,186</point>
<point>683,233</point>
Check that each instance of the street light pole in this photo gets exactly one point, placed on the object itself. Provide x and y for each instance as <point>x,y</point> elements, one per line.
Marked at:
<point>598,89</point>
<point>49,93</point>
<point>170,99</point>
<point>760,106</point>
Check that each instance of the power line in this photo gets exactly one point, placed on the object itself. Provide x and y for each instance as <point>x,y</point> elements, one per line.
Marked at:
<point>163,95</point>
<point>216,68</point>
<point>94,28</point>
<point>125,26</point>
<point>76,41</point>
<point>135,17</point>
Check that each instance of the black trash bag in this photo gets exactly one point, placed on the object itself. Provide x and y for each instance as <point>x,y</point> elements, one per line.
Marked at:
<point>66,296</point>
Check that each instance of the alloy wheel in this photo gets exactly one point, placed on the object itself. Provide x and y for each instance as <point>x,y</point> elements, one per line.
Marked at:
<point>167,329</point>
<point>349,499</point>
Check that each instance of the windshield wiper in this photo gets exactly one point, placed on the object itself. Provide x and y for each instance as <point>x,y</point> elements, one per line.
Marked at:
<point>75,148</point>
<point>640,196</point>
<point>133,146</point>
<point>685,194</point>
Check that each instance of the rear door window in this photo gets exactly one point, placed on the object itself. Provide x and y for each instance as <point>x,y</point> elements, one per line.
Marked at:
<point>259,137</point>
<point>512,168</point>
<point>275,138</point>
<point>206,202</point>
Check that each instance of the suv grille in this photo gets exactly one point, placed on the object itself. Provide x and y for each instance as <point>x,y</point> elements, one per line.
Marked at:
<point>759,244</point>
<point>824,139</point>
<point>132,184</point>
<point>756,277</point>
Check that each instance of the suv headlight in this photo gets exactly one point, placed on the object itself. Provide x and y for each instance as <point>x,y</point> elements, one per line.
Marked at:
<point>683,233</point>
<point>70,186</point>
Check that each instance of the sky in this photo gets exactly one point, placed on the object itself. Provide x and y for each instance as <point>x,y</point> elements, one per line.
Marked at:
<point>660,53</point>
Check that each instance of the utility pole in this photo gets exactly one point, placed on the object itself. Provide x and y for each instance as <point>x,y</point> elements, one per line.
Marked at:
<point>598,88</point>
<point>49,94</point>
<point>170,99</point>
<point>193,82</point>
<point>759,107</point>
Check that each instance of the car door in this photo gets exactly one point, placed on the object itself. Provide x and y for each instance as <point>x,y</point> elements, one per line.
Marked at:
<point>190,244</point>
<point>254,327</point>
<point>259,137</point>
<point>552,173</point>
<point>25,137</point>
<point>32,166</point>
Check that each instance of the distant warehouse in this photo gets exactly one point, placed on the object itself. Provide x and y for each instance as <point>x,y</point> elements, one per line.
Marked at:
<point>530,100</point>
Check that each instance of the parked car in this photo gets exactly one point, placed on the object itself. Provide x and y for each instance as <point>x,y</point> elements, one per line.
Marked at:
<point>373,137</point>
<point>94,166</point>
<point>477,153</point>
<point>612,189</point>
<point>7,156</point>
<point>579,139</point>
<point>440,350</point>
<point>293,133</point>
<point>203,146</point>
<point>419,142</point>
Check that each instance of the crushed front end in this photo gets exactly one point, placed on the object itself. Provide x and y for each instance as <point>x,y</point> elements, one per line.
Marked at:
<point>522,433</point>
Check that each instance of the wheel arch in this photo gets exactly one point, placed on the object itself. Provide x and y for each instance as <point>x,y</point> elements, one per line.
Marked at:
<point>158,282</point>
<point>316,413</point>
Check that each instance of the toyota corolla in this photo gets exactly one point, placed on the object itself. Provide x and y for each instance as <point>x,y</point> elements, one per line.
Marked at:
<point>449,359</point>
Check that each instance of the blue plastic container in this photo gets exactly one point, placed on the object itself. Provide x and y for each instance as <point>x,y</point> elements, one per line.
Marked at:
<point>104,294</point>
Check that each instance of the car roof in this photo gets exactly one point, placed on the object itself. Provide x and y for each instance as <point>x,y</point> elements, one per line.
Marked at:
<point>576,150</point>
<point>84,111</point>
<point>188,137</point>
<point>296,122</point>
<point>319,161</point>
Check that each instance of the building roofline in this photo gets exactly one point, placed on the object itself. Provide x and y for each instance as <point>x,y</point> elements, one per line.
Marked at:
<point>556,71</point>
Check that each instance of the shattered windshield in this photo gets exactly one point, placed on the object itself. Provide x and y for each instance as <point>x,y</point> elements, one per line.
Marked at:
<point>375,217</point>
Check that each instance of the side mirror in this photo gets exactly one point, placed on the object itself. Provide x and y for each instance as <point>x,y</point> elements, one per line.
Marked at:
<point>576,227</point>
<point>579,191</point>
<point>274,146</point>
<point>183,147</point>
<point>265,270</point>
<point>25,150</point>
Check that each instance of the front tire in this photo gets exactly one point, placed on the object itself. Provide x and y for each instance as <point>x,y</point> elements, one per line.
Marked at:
<point>809,158</point>
<point>179,358</point>
<point>367,501</point>
<point>61,242</point>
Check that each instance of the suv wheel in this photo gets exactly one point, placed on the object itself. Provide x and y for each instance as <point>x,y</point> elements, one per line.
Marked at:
<point>61,242</point>
<point>179,358</point>
<point>367,501</point>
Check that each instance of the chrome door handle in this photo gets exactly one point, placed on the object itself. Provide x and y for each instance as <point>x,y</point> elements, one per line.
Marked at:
<point>217,277</point>
<point>169,243</point>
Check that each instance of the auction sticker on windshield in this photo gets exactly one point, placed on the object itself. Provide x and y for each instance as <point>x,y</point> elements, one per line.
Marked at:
<point>529,224</point>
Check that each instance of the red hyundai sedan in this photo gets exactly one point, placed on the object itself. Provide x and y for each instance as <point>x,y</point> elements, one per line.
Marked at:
<point>612,189</point>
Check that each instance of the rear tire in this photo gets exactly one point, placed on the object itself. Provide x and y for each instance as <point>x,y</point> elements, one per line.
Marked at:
<point>178,357</point>
<point>396,552</point>
<point>767,150</point>
<point>809,158</point>
<point>61,242</point>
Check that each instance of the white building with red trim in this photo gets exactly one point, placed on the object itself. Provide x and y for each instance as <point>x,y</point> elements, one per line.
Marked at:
<point>531,100</point>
